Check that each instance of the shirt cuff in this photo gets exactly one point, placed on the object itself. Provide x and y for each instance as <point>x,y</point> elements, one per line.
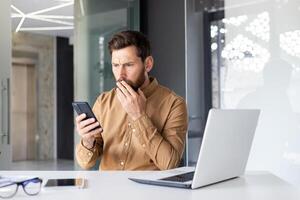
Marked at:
<point>144,129</point>
<point>84,154</point>
<point>141,124</point>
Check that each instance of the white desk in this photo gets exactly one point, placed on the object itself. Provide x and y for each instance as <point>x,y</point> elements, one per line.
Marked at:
<point>115,185</point>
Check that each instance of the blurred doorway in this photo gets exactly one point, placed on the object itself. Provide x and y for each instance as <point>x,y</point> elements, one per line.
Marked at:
<point>23,109</point>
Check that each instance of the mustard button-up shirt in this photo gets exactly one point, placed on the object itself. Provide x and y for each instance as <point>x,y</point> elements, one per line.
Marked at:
<point>155,141</point>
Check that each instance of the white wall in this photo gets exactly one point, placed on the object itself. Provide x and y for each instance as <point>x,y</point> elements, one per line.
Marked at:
<point>263,71</point>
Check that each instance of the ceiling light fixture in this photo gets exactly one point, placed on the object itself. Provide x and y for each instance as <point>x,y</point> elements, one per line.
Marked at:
<point>55,16</point>
<point>17,10</point>
<point>16,15</point>
<point>51,8</point>
<point>20,24</point>
<point>46,28</point>
<point>48,18</point>
<point>21,14</point>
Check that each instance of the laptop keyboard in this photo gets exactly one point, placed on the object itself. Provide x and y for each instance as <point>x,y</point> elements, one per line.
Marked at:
<point>180,178</point>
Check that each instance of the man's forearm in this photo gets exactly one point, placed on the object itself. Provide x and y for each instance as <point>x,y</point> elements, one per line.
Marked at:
<point>165,151</point>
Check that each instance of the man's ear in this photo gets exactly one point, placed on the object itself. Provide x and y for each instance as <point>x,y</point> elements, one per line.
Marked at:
<point>149,63</point>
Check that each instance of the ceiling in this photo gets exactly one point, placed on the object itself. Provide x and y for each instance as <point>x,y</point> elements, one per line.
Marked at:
<point>49,17</point>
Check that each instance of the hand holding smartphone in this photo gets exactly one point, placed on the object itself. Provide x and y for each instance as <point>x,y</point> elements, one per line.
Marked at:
<point>84,108</point>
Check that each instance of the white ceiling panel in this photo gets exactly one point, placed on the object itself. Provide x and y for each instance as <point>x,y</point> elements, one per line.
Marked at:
<point>50,17</point>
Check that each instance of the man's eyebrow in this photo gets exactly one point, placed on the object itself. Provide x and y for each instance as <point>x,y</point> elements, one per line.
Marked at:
<point>129,62</point>
<point>125,63</point>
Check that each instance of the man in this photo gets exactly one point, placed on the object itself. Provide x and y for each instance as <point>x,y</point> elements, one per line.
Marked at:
<point>143,124</point>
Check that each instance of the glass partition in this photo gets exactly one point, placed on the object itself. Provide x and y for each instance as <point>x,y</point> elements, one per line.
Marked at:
<point>255,64</point>
<point>95,22</point>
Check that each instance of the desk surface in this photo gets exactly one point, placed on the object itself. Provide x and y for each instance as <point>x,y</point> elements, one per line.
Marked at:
<point>115,185</point>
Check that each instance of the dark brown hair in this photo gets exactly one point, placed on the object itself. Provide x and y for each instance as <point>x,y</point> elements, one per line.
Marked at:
<point>131,38</point>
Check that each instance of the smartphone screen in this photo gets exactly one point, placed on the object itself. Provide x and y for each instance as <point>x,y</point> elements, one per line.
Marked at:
<point>79,182</point>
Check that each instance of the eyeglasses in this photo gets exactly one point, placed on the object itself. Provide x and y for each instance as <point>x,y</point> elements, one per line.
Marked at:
<point>9,188</point>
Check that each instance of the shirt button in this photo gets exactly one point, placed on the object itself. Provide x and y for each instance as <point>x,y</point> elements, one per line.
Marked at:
<point>122,163</point>
<point>129,124</point>
<point>143,145</point>
<point>126,144</point>
<point>133,130</point>
<point>89,153</point>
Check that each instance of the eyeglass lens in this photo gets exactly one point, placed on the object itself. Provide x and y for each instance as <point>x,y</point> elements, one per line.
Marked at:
<point>9,190</point>
<point>30,187</point>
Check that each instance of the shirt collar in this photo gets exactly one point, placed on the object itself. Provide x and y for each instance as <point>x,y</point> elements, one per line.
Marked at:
<point>151,87</point>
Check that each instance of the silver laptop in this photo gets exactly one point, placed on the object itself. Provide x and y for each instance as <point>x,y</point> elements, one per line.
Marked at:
<point>223,154</point>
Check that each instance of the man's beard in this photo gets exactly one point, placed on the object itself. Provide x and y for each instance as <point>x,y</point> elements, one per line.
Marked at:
<point>137,84</point>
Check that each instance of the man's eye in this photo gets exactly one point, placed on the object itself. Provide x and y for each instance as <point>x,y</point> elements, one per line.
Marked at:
<point>129,64</point>
<point>115,65</point>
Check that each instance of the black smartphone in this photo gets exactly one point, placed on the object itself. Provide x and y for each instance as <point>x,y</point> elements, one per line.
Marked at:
<point>77,182</point>
<point>83,107</point>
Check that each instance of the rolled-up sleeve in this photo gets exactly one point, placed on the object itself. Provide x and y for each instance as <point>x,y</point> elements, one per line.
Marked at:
<point>165,148</point>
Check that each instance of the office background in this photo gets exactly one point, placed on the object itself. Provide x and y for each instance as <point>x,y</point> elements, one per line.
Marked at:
<point>220,53</point>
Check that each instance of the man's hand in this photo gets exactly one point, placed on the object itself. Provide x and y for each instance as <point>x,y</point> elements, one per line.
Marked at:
<point>133,102</point>
<point>85,129</point>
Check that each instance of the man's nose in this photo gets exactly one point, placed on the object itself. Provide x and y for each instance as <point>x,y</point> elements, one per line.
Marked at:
<point>122,72</point>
